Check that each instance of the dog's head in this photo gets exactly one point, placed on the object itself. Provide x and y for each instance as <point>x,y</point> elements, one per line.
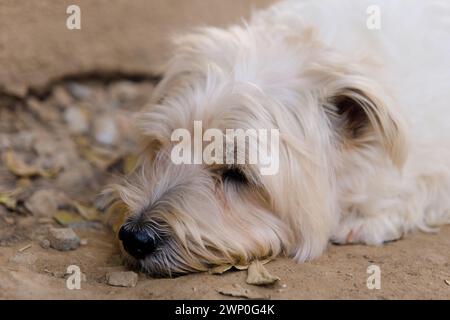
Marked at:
<point>330,113</point>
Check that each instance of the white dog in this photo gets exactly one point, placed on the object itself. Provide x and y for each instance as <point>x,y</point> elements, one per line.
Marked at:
<point>361,97</point>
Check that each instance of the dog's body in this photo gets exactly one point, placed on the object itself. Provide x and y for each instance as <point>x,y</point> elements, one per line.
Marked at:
<point>364,135</point>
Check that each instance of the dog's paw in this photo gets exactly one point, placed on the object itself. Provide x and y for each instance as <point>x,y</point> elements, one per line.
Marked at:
<point>369,230</point>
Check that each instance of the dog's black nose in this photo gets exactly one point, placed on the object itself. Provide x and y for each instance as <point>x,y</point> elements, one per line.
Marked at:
<point>138,243</point>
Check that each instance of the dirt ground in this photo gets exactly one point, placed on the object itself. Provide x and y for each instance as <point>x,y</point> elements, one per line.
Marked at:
<point>57,153</point>
<point>414,268</point>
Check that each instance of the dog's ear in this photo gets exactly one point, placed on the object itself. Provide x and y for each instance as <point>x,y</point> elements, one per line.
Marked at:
<point>363,113</point>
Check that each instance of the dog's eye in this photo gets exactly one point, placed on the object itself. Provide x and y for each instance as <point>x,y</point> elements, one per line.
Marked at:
<point>234,175</point>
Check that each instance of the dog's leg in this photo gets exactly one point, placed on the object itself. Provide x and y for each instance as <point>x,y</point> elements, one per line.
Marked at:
<point>396,205</point>
<point>374,230</point>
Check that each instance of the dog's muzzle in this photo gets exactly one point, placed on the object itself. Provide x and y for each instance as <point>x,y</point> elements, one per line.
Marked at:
<point>138,243</point>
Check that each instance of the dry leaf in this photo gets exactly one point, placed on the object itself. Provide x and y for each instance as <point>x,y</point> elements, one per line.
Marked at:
<point>223,268</point>
<point>240,292</point>
<point>245,266</point>
<point>220,269</point>
<point>241,266</point>
<point>22,169</point>
<point>8,201</point>
<point>67,218</point>
<point>258,275</point>
<point>99,157</point>
<point>88,213</point>
<point>18,166</point>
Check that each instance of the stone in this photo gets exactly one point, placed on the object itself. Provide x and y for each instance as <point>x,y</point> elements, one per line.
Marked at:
<point>43,203</point>
<point>77,120</point>
<point>106,130</point>
<point>63,239</point>
<point>122,278</point>
<point>62,97</point>
<point>44,243</point>
<point>79,91</point>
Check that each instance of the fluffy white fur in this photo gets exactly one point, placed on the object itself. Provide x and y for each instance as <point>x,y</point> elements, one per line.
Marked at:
<point>364,120</point>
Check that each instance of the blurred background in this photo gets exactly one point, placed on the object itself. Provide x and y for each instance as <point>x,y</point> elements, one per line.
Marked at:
<point>115,35</point>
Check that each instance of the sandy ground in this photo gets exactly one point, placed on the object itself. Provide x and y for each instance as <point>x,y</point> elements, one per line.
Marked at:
<point>75,139</point>
<point>413,268</point>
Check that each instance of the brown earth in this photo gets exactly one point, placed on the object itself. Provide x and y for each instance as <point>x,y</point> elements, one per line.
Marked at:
<point>414,268</point>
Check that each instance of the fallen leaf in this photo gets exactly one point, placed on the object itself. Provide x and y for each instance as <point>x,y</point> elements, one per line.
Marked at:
<point>8,201</point>
<point>19,167</point>
<point>447,282</point>
<point>99,157</point>
<point>22,169</point>
<point>88,213</point>
<point>238,291</point>
<point>241,266</point>
<point>245,266</point>
<point>223,268</point>
<point>258,275</point>
<point>220,269</point>
<point>67,218</point>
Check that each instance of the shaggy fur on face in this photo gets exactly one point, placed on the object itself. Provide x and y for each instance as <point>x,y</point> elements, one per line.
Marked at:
<point>363,121</point>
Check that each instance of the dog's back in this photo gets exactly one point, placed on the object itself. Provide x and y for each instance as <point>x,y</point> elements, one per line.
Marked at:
<point>411,46</point>
<point>408,50</point>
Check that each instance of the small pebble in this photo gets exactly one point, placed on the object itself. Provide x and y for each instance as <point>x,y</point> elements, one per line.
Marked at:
<point>106,130</point>
<point>123,91</point>
<point>122,278</point>
<point>79,91</point>
<point>84,242</point>
<point>42,203</point>
<point>62,97</point>
<point>45,244</point>
<point>77,120</point>
<point>63,239</point>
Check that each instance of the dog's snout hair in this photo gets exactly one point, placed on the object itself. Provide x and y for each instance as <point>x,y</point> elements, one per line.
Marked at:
<point>195,211</point>
<point>358,161</point>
